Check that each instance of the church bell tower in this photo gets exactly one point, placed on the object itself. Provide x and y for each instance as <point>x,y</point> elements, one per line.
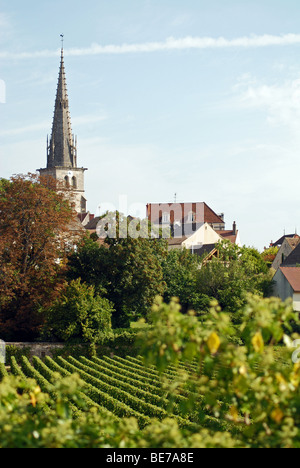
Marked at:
<point>62,146</point>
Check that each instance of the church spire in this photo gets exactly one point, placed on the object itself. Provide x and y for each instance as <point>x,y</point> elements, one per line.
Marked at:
<point>61,149</point>
<point>62,146</point>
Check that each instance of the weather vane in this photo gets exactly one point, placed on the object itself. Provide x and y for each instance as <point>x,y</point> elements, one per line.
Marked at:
<point>62,40</point>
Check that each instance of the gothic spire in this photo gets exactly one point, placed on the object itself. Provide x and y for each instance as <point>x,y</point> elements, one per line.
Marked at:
<point>61,149</point>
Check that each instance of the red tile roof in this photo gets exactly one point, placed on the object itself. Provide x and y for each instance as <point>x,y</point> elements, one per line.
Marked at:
<point>179,211</point>
<point>292,274</point>
<point>228,235</point>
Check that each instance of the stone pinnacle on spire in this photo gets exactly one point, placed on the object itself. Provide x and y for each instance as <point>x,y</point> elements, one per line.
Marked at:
<point>61,150</point>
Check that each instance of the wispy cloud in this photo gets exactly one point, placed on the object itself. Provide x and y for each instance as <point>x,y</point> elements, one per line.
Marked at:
<point>44,126</point>
<point>170,43</point>
<point>280,101</point>
<point>25,129</point>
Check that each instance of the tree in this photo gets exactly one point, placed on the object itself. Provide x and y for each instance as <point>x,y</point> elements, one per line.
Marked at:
<point>34,240</point>
<point>180,270</point>
<point>232,274</point>
<point>78,315</point>
<point>125,269</point>
<point>269,255</point>
<point>137,278</point>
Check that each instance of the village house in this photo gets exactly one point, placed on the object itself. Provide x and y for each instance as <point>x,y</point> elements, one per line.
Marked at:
<point>204,239</point>
<point>183,217</point>
<point>193,226</point>
<point>286,281</point>
<point>286,245</point>
<point>287,285</point>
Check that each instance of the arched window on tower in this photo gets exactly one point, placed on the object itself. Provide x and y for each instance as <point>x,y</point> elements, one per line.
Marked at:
<point>74,182</point>
<point>67,181</point>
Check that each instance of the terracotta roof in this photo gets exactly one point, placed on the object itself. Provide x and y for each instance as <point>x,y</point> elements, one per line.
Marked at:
<point>292,274</point>
<point>179,211</point>
<point>210,216</point>
<point>228,235</point>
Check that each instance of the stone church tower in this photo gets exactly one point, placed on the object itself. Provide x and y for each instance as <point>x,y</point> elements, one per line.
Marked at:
<point>62,146</point>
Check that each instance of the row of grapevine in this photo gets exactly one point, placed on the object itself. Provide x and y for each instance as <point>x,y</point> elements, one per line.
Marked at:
<point>117,387</point>
<point>113,388</point>
<point>130,384</point>
<point>98,396</point>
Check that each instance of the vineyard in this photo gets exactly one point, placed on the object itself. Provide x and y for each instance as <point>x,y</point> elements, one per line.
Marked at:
<point>189,387</point>
<point>119,388</point>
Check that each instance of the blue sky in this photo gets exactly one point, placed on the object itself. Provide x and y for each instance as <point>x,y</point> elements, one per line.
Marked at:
<point>198,98</point>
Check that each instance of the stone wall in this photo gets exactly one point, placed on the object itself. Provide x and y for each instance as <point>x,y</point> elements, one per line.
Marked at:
<point>38,349</point>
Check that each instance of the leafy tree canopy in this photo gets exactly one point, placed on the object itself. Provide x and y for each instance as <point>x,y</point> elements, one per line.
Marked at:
<point>126,270</point>
<point>34,239</point>
<point>78,315</point>
<point>232,274</point>
<point>180,270</point>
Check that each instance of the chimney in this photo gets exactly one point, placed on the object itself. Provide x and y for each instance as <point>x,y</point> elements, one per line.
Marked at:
<point>234,228</point>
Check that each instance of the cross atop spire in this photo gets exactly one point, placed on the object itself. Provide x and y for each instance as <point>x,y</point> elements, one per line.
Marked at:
<point>61,150</point>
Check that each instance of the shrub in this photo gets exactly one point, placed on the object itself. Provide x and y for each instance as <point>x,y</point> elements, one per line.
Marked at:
<point>78,315</point>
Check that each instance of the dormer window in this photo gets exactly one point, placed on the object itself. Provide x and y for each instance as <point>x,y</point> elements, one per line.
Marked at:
<point>166,217</point>
<point>191,217</point>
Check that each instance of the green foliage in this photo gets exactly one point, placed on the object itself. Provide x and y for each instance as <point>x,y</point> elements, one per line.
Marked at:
<point>79,314</point>
<point>180,270</point>
<point>128,271</point>
<point>14,351</point>
<point>121,342</point>
<point>3,371</point>
<point>91,264</point>
<point>268,255</point>
<point>34,234</point>
<point>232,274</point>
<point>193,387</point>
<point>25,424</point>
<point>131,272</point>
<point>246,385</point>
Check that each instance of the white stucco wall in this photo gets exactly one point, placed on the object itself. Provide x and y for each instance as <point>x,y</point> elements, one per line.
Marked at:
<point>296,301</point>
<point>238,239</point>
<point>203,236</point>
